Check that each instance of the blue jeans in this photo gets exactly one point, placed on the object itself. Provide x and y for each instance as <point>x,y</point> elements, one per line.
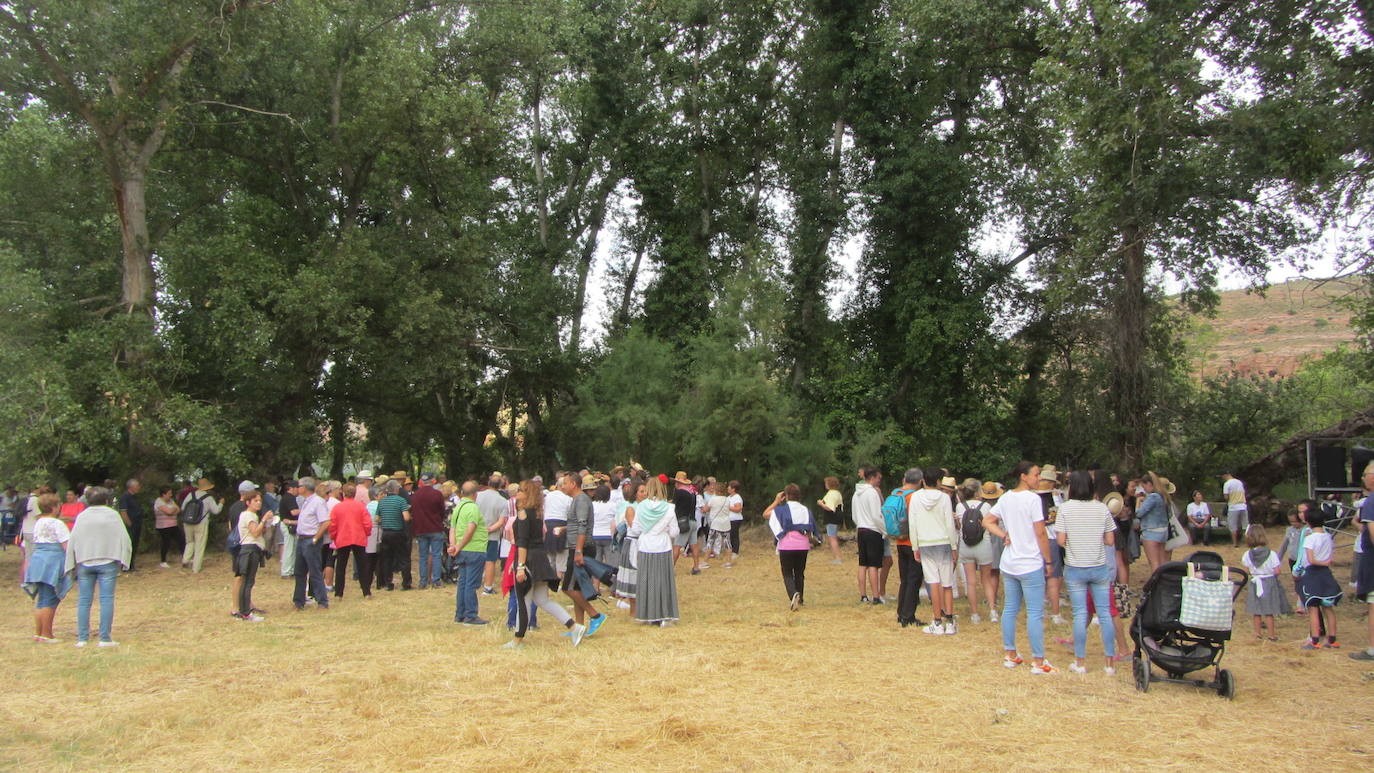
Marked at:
<point>432,556</point>
<point>86,578</point>
<point>511,621</point>
<point>470,565</point>
<point>1029,587</point>
<point>309,569</point>
<point>1098,581</point>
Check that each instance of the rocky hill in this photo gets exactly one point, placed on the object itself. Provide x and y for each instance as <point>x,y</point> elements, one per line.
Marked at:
<point>1273,333</point>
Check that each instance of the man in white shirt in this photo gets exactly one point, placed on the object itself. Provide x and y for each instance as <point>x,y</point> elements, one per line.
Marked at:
<point>1237,511</point>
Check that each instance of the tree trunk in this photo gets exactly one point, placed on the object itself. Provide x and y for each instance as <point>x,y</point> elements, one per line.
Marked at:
<point>584,264</point>
<point>1129,396</point>
<point>338,441</point>
<point>1268,471</point>
<point>130,195</point>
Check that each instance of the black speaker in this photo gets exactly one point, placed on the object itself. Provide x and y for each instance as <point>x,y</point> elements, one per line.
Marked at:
<point>1360,457</point>
<point>1329,465</point>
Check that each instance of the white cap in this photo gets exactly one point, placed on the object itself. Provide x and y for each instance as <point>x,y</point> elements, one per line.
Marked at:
<point>247,486</point>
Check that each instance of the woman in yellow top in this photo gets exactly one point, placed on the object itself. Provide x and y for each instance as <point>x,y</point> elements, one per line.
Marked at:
<point>832,510</point>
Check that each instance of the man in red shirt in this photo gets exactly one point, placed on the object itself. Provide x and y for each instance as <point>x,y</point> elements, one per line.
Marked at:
<point>427,521</point>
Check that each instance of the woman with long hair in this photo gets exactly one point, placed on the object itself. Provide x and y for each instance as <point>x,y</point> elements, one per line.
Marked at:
<point>1086,532</point>
<point>534,574</point>
<point>1153,513</point>
<point>1019,519</point>
<point>655,526</point>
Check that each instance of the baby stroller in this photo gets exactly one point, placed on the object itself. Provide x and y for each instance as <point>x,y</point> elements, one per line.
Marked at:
<point>1178,649</point>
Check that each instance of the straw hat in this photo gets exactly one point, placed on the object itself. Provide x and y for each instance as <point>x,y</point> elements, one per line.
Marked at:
<point>682,478</point>
<point>991,490</point>
<point>1114,502</point>
<point>1048,472</point>
<point>364,475</point>
<point>204,484</point>
<point>1161,484</point>
<point>947,481</point>
<point>590,482</point>
<point>383,478</point>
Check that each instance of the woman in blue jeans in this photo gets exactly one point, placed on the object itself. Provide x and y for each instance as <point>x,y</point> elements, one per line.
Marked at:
<point>1019,521</point>
<point>1087,533</point>
<point>98,549</point>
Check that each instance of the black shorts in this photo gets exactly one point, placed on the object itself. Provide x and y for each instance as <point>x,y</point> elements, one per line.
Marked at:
<point>835,517</point>
<point>870,548</point>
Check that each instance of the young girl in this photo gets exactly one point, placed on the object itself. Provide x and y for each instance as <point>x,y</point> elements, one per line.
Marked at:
<point>1288,549</point>
<point>45,577</point>
<point>832,510</point>
<point>1265,598</point>
<point>1317,586</point>
<point>252,546</point>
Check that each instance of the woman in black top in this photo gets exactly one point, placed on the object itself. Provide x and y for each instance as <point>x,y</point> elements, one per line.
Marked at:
<point>534,574</point>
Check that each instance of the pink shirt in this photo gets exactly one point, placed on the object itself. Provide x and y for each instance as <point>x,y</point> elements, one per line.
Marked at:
<point>794,540</point>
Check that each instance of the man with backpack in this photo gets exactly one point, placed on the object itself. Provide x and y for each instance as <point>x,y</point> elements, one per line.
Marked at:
<point>866,507</point>
<point>196,509</point>
<point>909,570</point>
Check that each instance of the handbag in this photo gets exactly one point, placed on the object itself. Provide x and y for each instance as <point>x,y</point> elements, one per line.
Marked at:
<point>1207,604</point>
<point>1178,536</point>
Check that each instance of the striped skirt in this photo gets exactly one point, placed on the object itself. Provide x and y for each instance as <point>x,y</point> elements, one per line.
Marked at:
<point>657,588</point>
<point>627,577</point>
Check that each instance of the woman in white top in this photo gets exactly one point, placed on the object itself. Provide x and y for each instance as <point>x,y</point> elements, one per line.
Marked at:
<point>718,523</point>
<point>1199,519</point>
<point>1087,533</point>
<point>45,576</point>
<point>1019,521</point>
<point>252,548</point>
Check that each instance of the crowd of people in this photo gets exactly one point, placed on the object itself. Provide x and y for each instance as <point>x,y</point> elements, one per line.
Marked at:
<point>619,535</point>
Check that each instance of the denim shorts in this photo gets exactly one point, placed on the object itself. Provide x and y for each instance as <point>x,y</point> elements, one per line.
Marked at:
<point>832,529</point>
<point>1155,535</point>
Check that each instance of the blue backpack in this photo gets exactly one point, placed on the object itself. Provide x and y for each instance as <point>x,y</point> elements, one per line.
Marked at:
<point>894,512</point>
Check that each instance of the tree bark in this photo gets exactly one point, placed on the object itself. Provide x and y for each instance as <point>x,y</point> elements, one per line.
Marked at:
<point>1129,396</point>
<point>1268,471</point>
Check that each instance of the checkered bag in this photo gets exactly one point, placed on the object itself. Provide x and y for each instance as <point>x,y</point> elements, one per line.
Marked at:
<point>1207,604</point>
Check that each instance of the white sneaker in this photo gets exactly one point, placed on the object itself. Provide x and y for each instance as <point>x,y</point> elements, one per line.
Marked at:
<point>252,618</point>
<point>935,628</point>
<point>107,644</point>
<point>1057,620</point>
<point>578,631</point>
<point>992,616</point>
<point>164,565</point>
<point>80,644</point>
<point>975,619</point>
<point>1109,671</point>
<point>622,604</point>
<point>951,628</point>
<point>1077,669</point>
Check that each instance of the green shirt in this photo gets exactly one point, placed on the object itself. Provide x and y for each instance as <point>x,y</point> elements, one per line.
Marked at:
<point>464,514</point>
<point>389,512</point>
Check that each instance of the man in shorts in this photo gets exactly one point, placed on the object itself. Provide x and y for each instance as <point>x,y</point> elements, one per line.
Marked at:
<point>1237,512</point>
<point>936,542</point>
<point>685,509</point>
<point>867,508</point>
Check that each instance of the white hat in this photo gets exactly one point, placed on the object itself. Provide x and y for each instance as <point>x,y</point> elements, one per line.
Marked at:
<point>364,475</point>
<point>247,486</point>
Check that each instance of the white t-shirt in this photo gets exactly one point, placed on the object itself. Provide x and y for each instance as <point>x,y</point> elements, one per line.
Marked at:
<point>603,519</point>
<point>1019,512</point>
<point>556,506</point>
<point>1320,545</point>
<point>1198,508</point>
<point>718,512</point>
<point>731,501</point>
<point>50,530</point>
<point>1235,495</point>
<point>1359,543</point>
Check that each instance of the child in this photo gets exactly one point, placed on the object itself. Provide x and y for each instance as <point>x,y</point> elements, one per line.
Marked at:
<point>1288,549</point>
<point>45,577</point>
<point>1317,586</point>
<point>252,546</point>
<point>1265,598</point>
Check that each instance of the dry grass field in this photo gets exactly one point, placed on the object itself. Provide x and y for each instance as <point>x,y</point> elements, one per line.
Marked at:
<point>740,684</point>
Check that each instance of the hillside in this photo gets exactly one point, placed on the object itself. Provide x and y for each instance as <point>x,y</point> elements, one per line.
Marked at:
<point>1272,333</point>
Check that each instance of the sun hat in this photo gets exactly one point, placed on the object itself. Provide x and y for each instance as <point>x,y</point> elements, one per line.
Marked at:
<point>590,482</point>
<point>364,475</point>
<point>991,490</point>
<point>204,484</point>
<point>947,481</point>
<point>1048,472</point>
<point>1166,486</point>
<point>1114,502</point>
<point>1160,483</point>
<point>383,478</point>
<point>399,475</point>
<point>682,478</point>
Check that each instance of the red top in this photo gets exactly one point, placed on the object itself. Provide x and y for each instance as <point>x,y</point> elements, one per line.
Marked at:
<point>426,510</point>
<point>349,524</point>
<point>69,511</point>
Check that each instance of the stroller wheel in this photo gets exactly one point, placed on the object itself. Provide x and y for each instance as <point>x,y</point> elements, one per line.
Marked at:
<point>1140,668</point>
<point>1226,684</point>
